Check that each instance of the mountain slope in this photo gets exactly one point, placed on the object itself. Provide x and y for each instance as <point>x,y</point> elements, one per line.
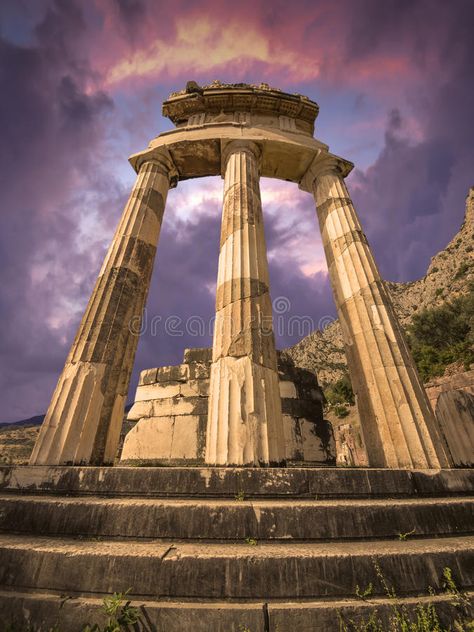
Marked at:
<point>450,274</point>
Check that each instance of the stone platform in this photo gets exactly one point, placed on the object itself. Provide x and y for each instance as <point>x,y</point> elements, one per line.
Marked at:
<point>226,549</point>
<point>167,422</point>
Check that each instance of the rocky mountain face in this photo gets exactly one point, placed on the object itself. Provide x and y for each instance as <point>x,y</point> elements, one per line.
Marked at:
<point>450,274</point>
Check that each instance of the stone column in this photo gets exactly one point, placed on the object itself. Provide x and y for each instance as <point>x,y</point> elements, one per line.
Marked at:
<point>245,421</point>
<point>83,422</point>
<point>398,425</point>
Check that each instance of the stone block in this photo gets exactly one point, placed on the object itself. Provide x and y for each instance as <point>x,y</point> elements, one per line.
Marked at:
<point>293,439</point>
<point>147,377</point>
<point>140,409</point>
<point>150,438</point>
<point>287,389</point>
<point>157,391</point>
<point>455,414</point>
<point>237,288</point>
<point>318,442</point>
<point>178,373</point>
<point>195,388</point>
<point>163,439</point>
<point>185,438</point>
<point>180,406</point>
<point>244,329</point>
<point>198,354</point>
<point>301,408</point>
<point>199,371</point>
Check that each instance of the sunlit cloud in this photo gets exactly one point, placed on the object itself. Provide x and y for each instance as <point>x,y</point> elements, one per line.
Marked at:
<point>218,45</point>
<point>194,199</point>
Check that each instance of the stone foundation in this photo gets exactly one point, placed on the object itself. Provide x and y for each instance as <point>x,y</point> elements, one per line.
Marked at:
<point>168,419</point>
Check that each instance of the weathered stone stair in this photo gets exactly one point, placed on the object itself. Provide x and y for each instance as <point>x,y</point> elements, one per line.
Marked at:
<point>226,549</point>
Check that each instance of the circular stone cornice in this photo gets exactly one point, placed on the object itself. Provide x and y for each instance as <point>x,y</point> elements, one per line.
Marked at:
<point>237,97</point>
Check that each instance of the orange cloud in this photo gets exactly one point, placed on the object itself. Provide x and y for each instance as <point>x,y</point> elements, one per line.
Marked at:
<point>204,45</point>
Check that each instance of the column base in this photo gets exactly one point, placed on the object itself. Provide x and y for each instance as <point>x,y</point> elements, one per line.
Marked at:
<point>245,423</point>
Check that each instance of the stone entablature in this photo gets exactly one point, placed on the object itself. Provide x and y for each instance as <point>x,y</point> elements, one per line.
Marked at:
<point>168,420</point>
<point>242,103</point>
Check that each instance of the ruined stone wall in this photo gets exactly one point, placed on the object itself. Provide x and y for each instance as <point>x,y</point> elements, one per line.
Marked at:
<point>168,420</point>
<point>458,382</point>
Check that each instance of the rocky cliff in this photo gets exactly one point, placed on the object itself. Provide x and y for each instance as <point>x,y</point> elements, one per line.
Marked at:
<point>450,273</point>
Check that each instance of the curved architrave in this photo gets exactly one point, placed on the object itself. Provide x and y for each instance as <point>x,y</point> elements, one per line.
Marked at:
<point>196,150</point>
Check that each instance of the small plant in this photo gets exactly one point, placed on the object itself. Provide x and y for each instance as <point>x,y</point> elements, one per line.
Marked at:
<point>463,268</point>
<point>366,593</point>
<point>341,411</point>
<point>459,599</point>
<point>120,615</point>
<point>439,291</point>
<point>240,496</point>
<point>251,541</point>
<point>434,270</point>
<point>404,536</point>
<point>340,392</point>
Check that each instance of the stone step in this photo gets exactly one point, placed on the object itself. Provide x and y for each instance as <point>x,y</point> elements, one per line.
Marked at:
<point>269,519</point>
<point>48,611</point>
<point>298,482</point>
<point>196,570</point>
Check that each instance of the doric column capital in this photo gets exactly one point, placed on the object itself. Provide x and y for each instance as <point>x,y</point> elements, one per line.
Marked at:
<point>161,160</point>
<point>324,163</point>
<point>233,146</point>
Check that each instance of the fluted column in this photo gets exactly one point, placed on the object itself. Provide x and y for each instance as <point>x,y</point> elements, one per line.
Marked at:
<point>83,422</point>
<point>245,420</point>
<point>398,425</point>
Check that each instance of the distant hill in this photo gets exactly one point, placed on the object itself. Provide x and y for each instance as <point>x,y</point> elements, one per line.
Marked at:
<point>31,421</point>
<point>449,275</point>
<point>18,438</point>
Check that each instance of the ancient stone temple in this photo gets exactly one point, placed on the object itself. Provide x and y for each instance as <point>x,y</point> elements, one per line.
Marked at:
<point>208,536</point>
<point>241,132</point>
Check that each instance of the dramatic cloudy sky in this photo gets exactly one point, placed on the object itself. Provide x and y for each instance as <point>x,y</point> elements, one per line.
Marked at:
<point>81,86</point>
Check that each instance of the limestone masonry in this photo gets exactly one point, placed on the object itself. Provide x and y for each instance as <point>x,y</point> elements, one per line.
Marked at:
<point>167,423</point>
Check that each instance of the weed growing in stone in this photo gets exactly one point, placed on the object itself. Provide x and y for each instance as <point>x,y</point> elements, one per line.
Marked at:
<point>404,536</point>
<point>251,541</point>
<point>240,496</point>
<point>366,593</point>
<point>120,615</point>
<point>423,617</point>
